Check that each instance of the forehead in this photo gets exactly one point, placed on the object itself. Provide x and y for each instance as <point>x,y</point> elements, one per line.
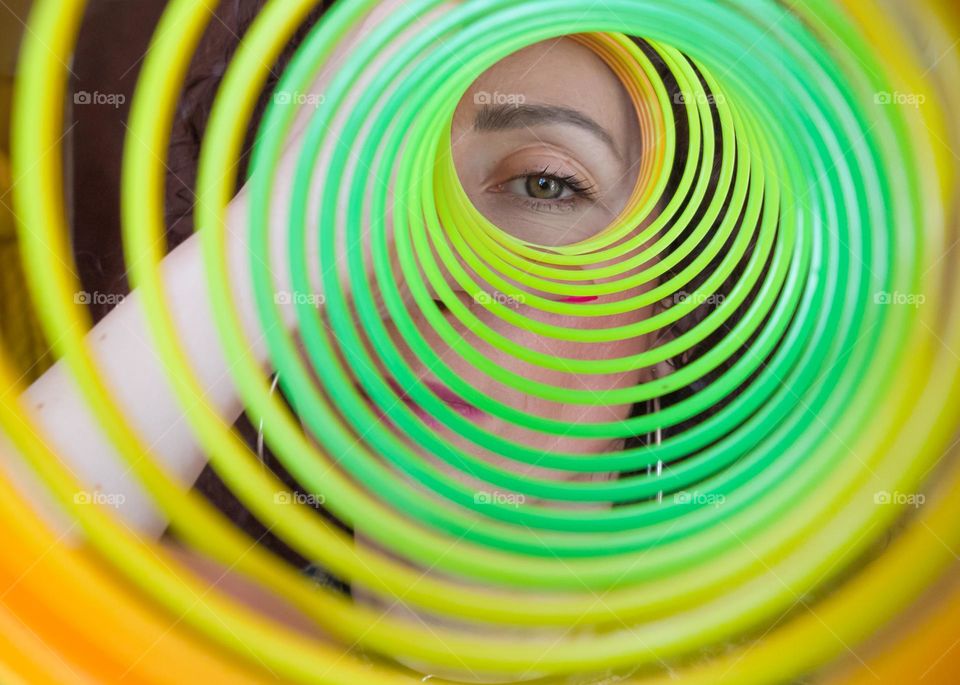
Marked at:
<point>560,71</point>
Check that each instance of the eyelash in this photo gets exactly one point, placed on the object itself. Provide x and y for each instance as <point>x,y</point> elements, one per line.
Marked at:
<point>581,191</point>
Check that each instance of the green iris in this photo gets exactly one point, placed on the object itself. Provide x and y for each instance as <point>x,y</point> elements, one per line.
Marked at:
<point>544,187</point>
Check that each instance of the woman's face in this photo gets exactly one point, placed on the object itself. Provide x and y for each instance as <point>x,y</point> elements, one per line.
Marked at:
<point>546,145</point>
<point>553,110</point>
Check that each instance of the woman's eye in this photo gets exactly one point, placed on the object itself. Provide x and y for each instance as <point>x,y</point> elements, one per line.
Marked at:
<point>544,186</point>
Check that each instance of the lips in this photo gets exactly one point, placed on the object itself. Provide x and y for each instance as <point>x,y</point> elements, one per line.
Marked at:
<point>445,395</point>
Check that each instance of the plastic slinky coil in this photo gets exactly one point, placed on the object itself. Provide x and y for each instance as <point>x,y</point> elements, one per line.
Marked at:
<point>796,516</point>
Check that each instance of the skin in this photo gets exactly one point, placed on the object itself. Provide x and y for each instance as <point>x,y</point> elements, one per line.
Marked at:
<point>545,177</point>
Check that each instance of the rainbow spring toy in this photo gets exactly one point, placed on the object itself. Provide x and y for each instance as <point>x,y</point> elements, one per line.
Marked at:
<point>818,509</point>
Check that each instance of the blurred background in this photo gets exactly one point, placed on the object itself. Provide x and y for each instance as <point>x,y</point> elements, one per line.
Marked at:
<point>112,43</point>
<point>18,328</point>
<point>113,40</point>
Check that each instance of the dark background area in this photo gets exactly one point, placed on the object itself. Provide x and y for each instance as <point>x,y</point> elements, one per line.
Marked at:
<point>113,42</point>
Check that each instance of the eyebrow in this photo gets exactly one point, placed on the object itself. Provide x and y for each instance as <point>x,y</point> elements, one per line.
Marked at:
<point>508,116</point>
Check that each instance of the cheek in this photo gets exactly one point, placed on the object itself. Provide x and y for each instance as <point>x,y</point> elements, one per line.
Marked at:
<point>574,350</point>
<point>543,227</point>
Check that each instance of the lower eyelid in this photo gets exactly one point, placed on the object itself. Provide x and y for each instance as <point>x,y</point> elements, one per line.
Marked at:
<point>551,206</point>
<point>559,206</point>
